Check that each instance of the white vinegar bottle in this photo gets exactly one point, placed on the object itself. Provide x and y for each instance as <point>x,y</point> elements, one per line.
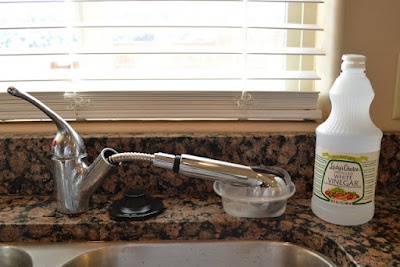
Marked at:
<point>347,150</point>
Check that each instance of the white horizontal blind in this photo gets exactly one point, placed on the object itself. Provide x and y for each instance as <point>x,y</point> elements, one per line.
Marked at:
<point>215,59</point>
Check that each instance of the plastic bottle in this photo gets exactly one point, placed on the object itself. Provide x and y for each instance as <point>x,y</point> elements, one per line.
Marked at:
<point>347,150</point>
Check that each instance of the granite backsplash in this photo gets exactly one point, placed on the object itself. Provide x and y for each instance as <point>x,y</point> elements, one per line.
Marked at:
<point>26,166</point>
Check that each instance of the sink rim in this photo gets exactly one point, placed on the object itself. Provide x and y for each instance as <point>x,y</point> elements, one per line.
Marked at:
<point>14,255</point>
<point>70,251</point>
<point>201,243</point>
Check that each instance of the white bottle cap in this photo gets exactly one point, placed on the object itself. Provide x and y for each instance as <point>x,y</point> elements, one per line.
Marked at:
<point>352,61</point>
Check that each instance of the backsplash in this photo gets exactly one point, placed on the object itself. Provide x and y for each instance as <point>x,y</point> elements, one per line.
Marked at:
<point>26,165</point>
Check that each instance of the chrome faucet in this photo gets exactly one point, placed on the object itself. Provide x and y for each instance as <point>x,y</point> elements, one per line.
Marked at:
<point>74,178</point>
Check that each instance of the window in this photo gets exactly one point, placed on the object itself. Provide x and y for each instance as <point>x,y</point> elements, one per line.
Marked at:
<point>110,59</point>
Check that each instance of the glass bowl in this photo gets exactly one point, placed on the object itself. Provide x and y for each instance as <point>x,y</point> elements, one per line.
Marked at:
<point>256,202</point>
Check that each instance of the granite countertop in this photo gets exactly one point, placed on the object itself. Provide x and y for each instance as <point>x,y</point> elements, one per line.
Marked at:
<point>193,210</point>
<point>376,243</point>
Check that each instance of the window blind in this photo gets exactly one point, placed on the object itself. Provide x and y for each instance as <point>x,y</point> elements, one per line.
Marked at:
<point>117,60</point>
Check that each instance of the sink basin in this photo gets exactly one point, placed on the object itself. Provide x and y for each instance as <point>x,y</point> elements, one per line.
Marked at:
<point>162,253</point>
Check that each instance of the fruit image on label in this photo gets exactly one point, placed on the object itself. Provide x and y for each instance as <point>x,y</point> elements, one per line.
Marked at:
<point>345,179</point>
<point>339,193</point>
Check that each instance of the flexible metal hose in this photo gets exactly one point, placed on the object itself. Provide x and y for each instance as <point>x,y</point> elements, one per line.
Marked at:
<point>130,156</point>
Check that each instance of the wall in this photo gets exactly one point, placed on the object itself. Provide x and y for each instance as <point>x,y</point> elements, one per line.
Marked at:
<point>372,28</point>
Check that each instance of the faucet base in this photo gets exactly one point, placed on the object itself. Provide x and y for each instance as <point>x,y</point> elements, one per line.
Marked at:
<point>77,181</point>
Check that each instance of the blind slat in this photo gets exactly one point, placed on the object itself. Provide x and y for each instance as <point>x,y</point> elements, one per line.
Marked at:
<point>177,76</point>
<point>150,86</point>
<point>79,1</point>
<point>283,26</point>
<point>183,51</point>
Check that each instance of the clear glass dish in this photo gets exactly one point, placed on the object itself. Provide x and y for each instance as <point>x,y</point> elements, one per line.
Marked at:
<point>256,202</point>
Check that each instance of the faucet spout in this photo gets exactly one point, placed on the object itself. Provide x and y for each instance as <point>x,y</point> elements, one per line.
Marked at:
<point>74,178</point>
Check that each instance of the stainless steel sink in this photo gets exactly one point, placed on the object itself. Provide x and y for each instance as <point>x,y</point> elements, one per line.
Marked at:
<point>168,253</point>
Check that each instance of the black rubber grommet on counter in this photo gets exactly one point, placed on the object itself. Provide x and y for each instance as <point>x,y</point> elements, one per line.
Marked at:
<point>136,205</point>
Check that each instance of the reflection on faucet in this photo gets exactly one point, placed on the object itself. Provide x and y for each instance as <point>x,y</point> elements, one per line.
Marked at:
<point>74,178</point>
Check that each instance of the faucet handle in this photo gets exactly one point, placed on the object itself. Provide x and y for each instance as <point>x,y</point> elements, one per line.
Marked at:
<point>67,142</point>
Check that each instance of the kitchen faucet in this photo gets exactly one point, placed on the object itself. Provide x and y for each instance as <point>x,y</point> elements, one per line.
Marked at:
<point>76,180</point>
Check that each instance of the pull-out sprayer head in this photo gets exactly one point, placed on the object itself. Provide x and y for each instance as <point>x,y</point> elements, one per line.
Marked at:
<point>216,170</point>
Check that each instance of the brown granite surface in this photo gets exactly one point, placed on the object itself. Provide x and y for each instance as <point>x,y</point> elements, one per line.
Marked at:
<point>25,163</point>
<point>193,211</point>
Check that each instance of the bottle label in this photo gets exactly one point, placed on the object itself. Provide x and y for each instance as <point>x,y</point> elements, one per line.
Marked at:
<point>345,179</point>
